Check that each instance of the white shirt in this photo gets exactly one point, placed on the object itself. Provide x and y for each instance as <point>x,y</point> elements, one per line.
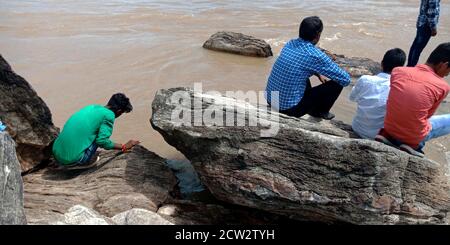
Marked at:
<point>371,93</point>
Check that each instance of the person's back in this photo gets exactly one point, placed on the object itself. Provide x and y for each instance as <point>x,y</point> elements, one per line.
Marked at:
<point>88,129</point>
<point>415,94</point>
<point>371,93</point>
<point>292,69</point>
<point>81,130</point>
<point>289,89</point>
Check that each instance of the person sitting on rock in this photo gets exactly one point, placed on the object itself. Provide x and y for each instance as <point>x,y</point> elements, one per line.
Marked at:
<point>415,94</point>
<point>371,93</point>
<point>298,61</point>
<point>90,128</point>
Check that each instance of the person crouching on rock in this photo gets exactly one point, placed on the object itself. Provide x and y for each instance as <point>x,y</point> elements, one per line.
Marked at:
<point>90,128</point>
<point>298,61</point>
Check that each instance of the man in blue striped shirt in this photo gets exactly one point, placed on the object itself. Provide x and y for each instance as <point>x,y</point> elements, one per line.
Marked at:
<point>426,28</point>
<point>298,61</point>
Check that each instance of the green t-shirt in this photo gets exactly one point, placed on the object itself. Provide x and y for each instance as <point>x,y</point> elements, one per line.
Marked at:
<point>93,123</point>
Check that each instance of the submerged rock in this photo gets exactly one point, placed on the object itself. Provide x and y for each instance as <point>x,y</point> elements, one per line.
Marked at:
<point>238,43</point>
<point>11,186</point>
<point>118,183</point>
<point>305,170</point>
<point>26,116</point>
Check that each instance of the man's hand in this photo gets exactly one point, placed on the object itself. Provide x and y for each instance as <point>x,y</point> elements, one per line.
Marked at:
<point>433,32</point>
<point>131,143</point>
<point>322,79</point>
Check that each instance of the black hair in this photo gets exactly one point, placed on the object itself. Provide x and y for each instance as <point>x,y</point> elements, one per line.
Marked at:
<point>120,102</point>
<point>310,28</point>
<point>393,58</point>
<point>440,54</point>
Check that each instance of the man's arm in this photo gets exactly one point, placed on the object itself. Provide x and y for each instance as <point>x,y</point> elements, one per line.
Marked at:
<point>432,13</point>
<point>103,137</point>
<point>326,67</point>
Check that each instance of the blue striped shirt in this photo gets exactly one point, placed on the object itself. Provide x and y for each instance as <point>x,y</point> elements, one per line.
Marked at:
<point>429,13</point>
<point>298,61</point>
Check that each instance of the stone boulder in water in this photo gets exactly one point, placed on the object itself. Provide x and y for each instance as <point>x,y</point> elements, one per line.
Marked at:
<point>307,170</point>
<point>26,116</point>
<point>355,66</point>
<point>238,43</point>
<point>11,186</point>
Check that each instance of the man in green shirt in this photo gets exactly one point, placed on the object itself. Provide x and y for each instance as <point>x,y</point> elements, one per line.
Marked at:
<point>88,129</point>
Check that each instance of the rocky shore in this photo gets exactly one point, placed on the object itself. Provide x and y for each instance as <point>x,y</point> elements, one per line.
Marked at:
<point>307,171</point>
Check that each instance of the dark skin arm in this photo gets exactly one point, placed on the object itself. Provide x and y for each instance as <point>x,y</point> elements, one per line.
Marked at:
<point>130,144</point>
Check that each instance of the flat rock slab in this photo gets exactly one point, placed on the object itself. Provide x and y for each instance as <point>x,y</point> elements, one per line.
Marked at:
<point>238,43</point>
<point>118,183</point>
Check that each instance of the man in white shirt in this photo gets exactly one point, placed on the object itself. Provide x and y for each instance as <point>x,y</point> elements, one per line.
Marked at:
<point>371,93</point>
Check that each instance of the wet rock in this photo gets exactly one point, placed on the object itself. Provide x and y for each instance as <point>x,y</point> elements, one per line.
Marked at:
<point>118,183</point>
<point>138,216</point>
<point>355,66</point>
<point>188,180</point>
<point>306,170</point>
<point>238,43</point>
<point>11,186</point>
<point>26,116</point>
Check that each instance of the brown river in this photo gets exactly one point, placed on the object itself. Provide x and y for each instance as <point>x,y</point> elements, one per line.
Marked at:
<point>76,53</point>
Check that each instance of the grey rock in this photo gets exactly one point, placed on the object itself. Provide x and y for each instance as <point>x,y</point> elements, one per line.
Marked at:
<point>308,170</point>
<point>188,180</point>
<point>119,182</point>
<point>80,215</point>
<point>238,43</point>
<point>137,216</point>
<point>355,66</point>
<point>26,116</point>
<point>11,186</point>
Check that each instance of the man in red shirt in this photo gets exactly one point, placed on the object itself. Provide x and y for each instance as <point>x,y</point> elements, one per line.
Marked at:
<point>415,94</point>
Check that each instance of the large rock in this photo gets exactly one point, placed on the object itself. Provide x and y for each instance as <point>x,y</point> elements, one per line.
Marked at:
<point>11,186</point>
<point>119,182</point>
<point>355,66</point>
<point>26,116</point>
<point>238,43</point>
<point>306,170</point>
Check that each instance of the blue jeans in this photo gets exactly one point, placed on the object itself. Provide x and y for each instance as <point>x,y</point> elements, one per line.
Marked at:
<point>440,126</point>
<point>422,37</point>
<point>88,154</point>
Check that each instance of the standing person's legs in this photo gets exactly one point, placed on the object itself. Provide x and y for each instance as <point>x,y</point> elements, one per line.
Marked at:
<point>422,37</point>
<point>440,126</point>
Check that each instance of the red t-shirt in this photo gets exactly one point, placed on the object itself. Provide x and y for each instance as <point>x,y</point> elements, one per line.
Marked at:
<point>415,94</point>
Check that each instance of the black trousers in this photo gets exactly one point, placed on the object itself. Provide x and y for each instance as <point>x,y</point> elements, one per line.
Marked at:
<point>317,100</point>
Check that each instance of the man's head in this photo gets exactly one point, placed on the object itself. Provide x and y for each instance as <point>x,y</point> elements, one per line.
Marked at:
<point>439,60</point>
<point>119,103</point>
<point>393,58</point>
<point>310,29</point>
